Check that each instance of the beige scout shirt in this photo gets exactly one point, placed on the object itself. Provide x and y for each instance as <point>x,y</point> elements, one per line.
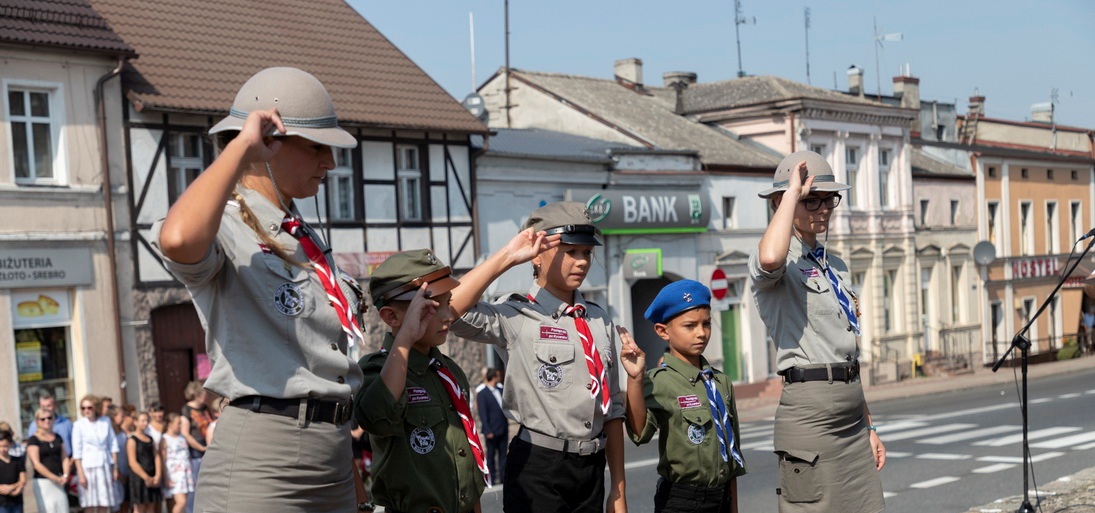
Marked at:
<point>546,374</point>
<point>801,312</point>
<point>269,329</point>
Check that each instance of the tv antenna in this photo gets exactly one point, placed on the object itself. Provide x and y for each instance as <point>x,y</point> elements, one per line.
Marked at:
<point>740,19</point>
<point>878,39</point>
<point>807,15</point>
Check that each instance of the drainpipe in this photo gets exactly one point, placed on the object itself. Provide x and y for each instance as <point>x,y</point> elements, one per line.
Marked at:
<point>108,198</point>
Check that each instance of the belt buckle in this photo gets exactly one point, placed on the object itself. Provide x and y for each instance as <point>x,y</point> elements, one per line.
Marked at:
<point>343,411</point>
<point>582,444</point>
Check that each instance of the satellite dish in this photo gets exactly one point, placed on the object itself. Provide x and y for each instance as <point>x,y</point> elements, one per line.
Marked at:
<point>984,252</point>
<point>476,106</point>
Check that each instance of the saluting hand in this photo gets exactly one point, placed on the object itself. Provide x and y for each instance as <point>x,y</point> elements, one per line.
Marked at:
<point>798,189</point>
<point>419,313</point>
<point>528,244</point>
<point>257,133</point>
<point>632,358</point>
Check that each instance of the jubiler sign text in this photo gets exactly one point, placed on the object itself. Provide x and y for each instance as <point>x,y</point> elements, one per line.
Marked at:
<point>23,268</point>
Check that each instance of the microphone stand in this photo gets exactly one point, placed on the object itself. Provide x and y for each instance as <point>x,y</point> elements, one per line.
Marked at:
<point>1022,343</point>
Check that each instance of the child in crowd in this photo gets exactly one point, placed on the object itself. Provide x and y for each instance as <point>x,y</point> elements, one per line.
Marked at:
<point>689,402</point>
<point>175,454</point>
<point>414,400</point>
<point>13,477</point>
<point>562,385</point>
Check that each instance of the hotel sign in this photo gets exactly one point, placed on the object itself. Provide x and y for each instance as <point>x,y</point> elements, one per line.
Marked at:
<point>617,211</point>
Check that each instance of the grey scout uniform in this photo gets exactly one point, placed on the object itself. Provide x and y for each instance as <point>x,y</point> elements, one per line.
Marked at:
<point>269,329</point>
<point>677,406</point>
<point>547,377</point>
<point>422,460</point>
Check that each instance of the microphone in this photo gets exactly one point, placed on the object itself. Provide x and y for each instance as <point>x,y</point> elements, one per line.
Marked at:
<point>1088,235</point>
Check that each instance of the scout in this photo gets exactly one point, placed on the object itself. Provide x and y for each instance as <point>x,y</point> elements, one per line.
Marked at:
<point>413,403</point>
<point>689,402</point>
<point>562,385</point>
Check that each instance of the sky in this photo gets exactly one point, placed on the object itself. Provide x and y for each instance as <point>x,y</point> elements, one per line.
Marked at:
<point>1013,53</point>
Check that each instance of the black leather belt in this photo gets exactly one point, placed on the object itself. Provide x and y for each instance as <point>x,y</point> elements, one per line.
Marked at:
<point>334,412</point>
<point>846,372</point>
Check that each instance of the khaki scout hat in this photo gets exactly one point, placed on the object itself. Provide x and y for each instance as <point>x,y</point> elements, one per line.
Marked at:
<point>569,218</point>
<point>400,276</point>
<point>305,107</point>
<point>816,166</point>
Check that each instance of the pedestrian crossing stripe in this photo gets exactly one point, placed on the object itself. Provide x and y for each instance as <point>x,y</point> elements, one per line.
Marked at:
<point>1031,435</point>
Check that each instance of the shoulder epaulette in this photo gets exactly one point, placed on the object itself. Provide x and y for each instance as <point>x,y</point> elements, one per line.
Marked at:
<point>515,297</point>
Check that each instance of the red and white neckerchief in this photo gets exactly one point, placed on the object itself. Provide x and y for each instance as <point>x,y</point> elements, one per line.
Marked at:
<point>350,325</point>
<point>598,378</point>
<point>461,404</point>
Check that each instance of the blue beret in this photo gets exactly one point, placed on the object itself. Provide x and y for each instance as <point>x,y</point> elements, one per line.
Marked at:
<point>677,297</point>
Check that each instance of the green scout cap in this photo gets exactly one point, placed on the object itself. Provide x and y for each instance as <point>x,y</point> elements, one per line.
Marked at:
<point>570,218</point>
<point>400,276</point>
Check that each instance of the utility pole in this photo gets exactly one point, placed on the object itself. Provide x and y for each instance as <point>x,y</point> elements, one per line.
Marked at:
<point>507,67</point>
<point>739,20</point>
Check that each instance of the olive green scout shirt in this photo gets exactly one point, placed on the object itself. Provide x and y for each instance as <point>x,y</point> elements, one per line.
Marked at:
<point>421,458</point>
<point>800,310</point>
<point>678,408</point>
<point>269,329</point>
<point>546,372</point>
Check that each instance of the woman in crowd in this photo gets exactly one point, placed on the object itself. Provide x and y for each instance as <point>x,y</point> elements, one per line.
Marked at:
<point>121,423</point>
<point>49,458</point>
<point>95,452</point>
<point>195,418</point>
<point>829,451</point>
<point>144,469</point>
<point>278,314</point>
<point>175,457</point>
<point>13,477</point>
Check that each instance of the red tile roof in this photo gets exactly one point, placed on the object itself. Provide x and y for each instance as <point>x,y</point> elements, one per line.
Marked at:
<point>195,54</point>
<point>67,24</point>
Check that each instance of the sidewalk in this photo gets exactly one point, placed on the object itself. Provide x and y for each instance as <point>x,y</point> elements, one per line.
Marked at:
<point>759,408</point>
<point>1075,494</point>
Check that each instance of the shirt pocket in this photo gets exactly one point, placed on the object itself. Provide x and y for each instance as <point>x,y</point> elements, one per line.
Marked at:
<point>554,366</point>
<point>699,428</point>
<point>818,297</point>
<point>289,293</point>
<point>424,426</point>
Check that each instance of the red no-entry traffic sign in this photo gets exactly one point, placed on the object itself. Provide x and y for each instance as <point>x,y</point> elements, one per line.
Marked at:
<point>718,284</point>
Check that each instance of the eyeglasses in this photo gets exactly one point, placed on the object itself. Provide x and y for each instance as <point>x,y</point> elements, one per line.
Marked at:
<point>45,418</point>
<point>814,203</point>
<point>85,408</point>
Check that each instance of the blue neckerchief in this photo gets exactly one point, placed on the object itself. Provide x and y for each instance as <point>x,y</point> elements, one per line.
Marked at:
<point>723,429</point>
<point>818,255</point>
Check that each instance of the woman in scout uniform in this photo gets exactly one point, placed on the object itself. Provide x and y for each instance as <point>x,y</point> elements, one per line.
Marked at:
<point>829,451</point>
<point>277,313</point>
<point>427,456</point>
<point>562,384</point>
<point>689,402</point>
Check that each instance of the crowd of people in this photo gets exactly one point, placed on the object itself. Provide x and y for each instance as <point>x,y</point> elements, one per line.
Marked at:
<point>300,417</point>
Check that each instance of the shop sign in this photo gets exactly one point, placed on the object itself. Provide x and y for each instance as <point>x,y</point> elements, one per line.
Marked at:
<point>1035,267</point>
<point>39,268</point>
<point>43,308</point>
<point>28,357</point>
<point>642,263</point>
<point>619,211</point>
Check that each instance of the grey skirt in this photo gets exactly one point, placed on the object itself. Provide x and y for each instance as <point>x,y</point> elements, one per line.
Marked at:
<point>825,456</point>
<point>263,463</point>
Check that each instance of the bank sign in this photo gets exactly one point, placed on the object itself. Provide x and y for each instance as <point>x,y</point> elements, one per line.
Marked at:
<point>624,212</point>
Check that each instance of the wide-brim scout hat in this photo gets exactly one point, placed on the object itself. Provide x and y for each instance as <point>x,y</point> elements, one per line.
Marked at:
<point>676,298</point>
<point>816,166</point>
<point>568,218</point>
<point>399,277</point>
<point>305,107</point>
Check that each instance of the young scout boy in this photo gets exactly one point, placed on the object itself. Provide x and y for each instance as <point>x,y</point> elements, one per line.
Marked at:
<point>414,400</point>
<point>689,402</point>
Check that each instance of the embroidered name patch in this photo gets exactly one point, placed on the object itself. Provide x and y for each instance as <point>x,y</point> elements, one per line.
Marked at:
<point>696,434</point>
<point>288,299</point>
<point>422,440</point>
<point>689,401</point>
<point>811,272</point>
<point>553,333</point>
<point>417,395</point>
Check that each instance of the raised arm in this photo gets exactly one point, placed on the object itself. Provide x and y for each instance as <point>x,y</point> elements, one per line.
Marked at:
<point>776,241</point>
<point>633,361</point>
<point>523,247</point>
<point>193,222</point>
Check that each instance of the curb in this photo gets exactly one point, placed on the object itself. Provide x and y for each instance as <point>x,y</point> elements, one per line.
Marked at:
<point>1075,494</point>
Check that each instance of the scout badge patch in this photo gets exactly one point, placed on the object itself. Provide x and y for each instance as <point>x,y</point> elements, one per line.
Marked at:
<point>288,299</point>
<point>696,433</point>
<point>422,440</point>
<point>550,375</point>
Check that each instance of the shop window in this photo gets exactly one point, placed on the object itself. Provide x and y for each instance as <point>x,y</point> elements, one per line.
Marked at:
<point>42,350</point>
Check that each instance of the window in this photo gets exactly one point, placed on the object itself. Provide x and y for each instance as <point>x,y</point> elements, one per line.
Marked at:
<point>954,212</point>
<point>992,172</point>
<point>728,212</point>
<point>409,174</point>
<point>993,209</point>
<point>340,185</point>
<point>1025,312</point>
<point>924,212</point>
<point>35,131</point>
<point>1026,229</point>
<point>40,323</point>
<point>857,282</point>
<point>956,294</point>
<point>1054,316</point>
<point>851,164</point>
<point>1075,175</point>
<point>884,178</point>
<point>1075,220</point>
<point>1023,172</point>
<point>889,301</point>
<point>1049,174</point>
<point>818,148</point>
<point>925,300</point>
<point>1053,229</point>
<point>184,161</point>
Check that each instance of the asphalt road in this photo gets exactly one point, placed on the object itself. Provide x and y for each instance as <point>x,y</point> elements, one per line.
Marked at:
<point>948,452</point>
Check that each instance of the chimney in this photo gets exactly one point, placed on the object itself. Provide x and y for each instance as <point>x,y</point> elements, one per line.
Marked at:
<point>629,73</point>
<point>672,77</point>
<point>977,104</point>
<point>855,80</point>
<point>1042,113</point>
<point>908,90</point>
